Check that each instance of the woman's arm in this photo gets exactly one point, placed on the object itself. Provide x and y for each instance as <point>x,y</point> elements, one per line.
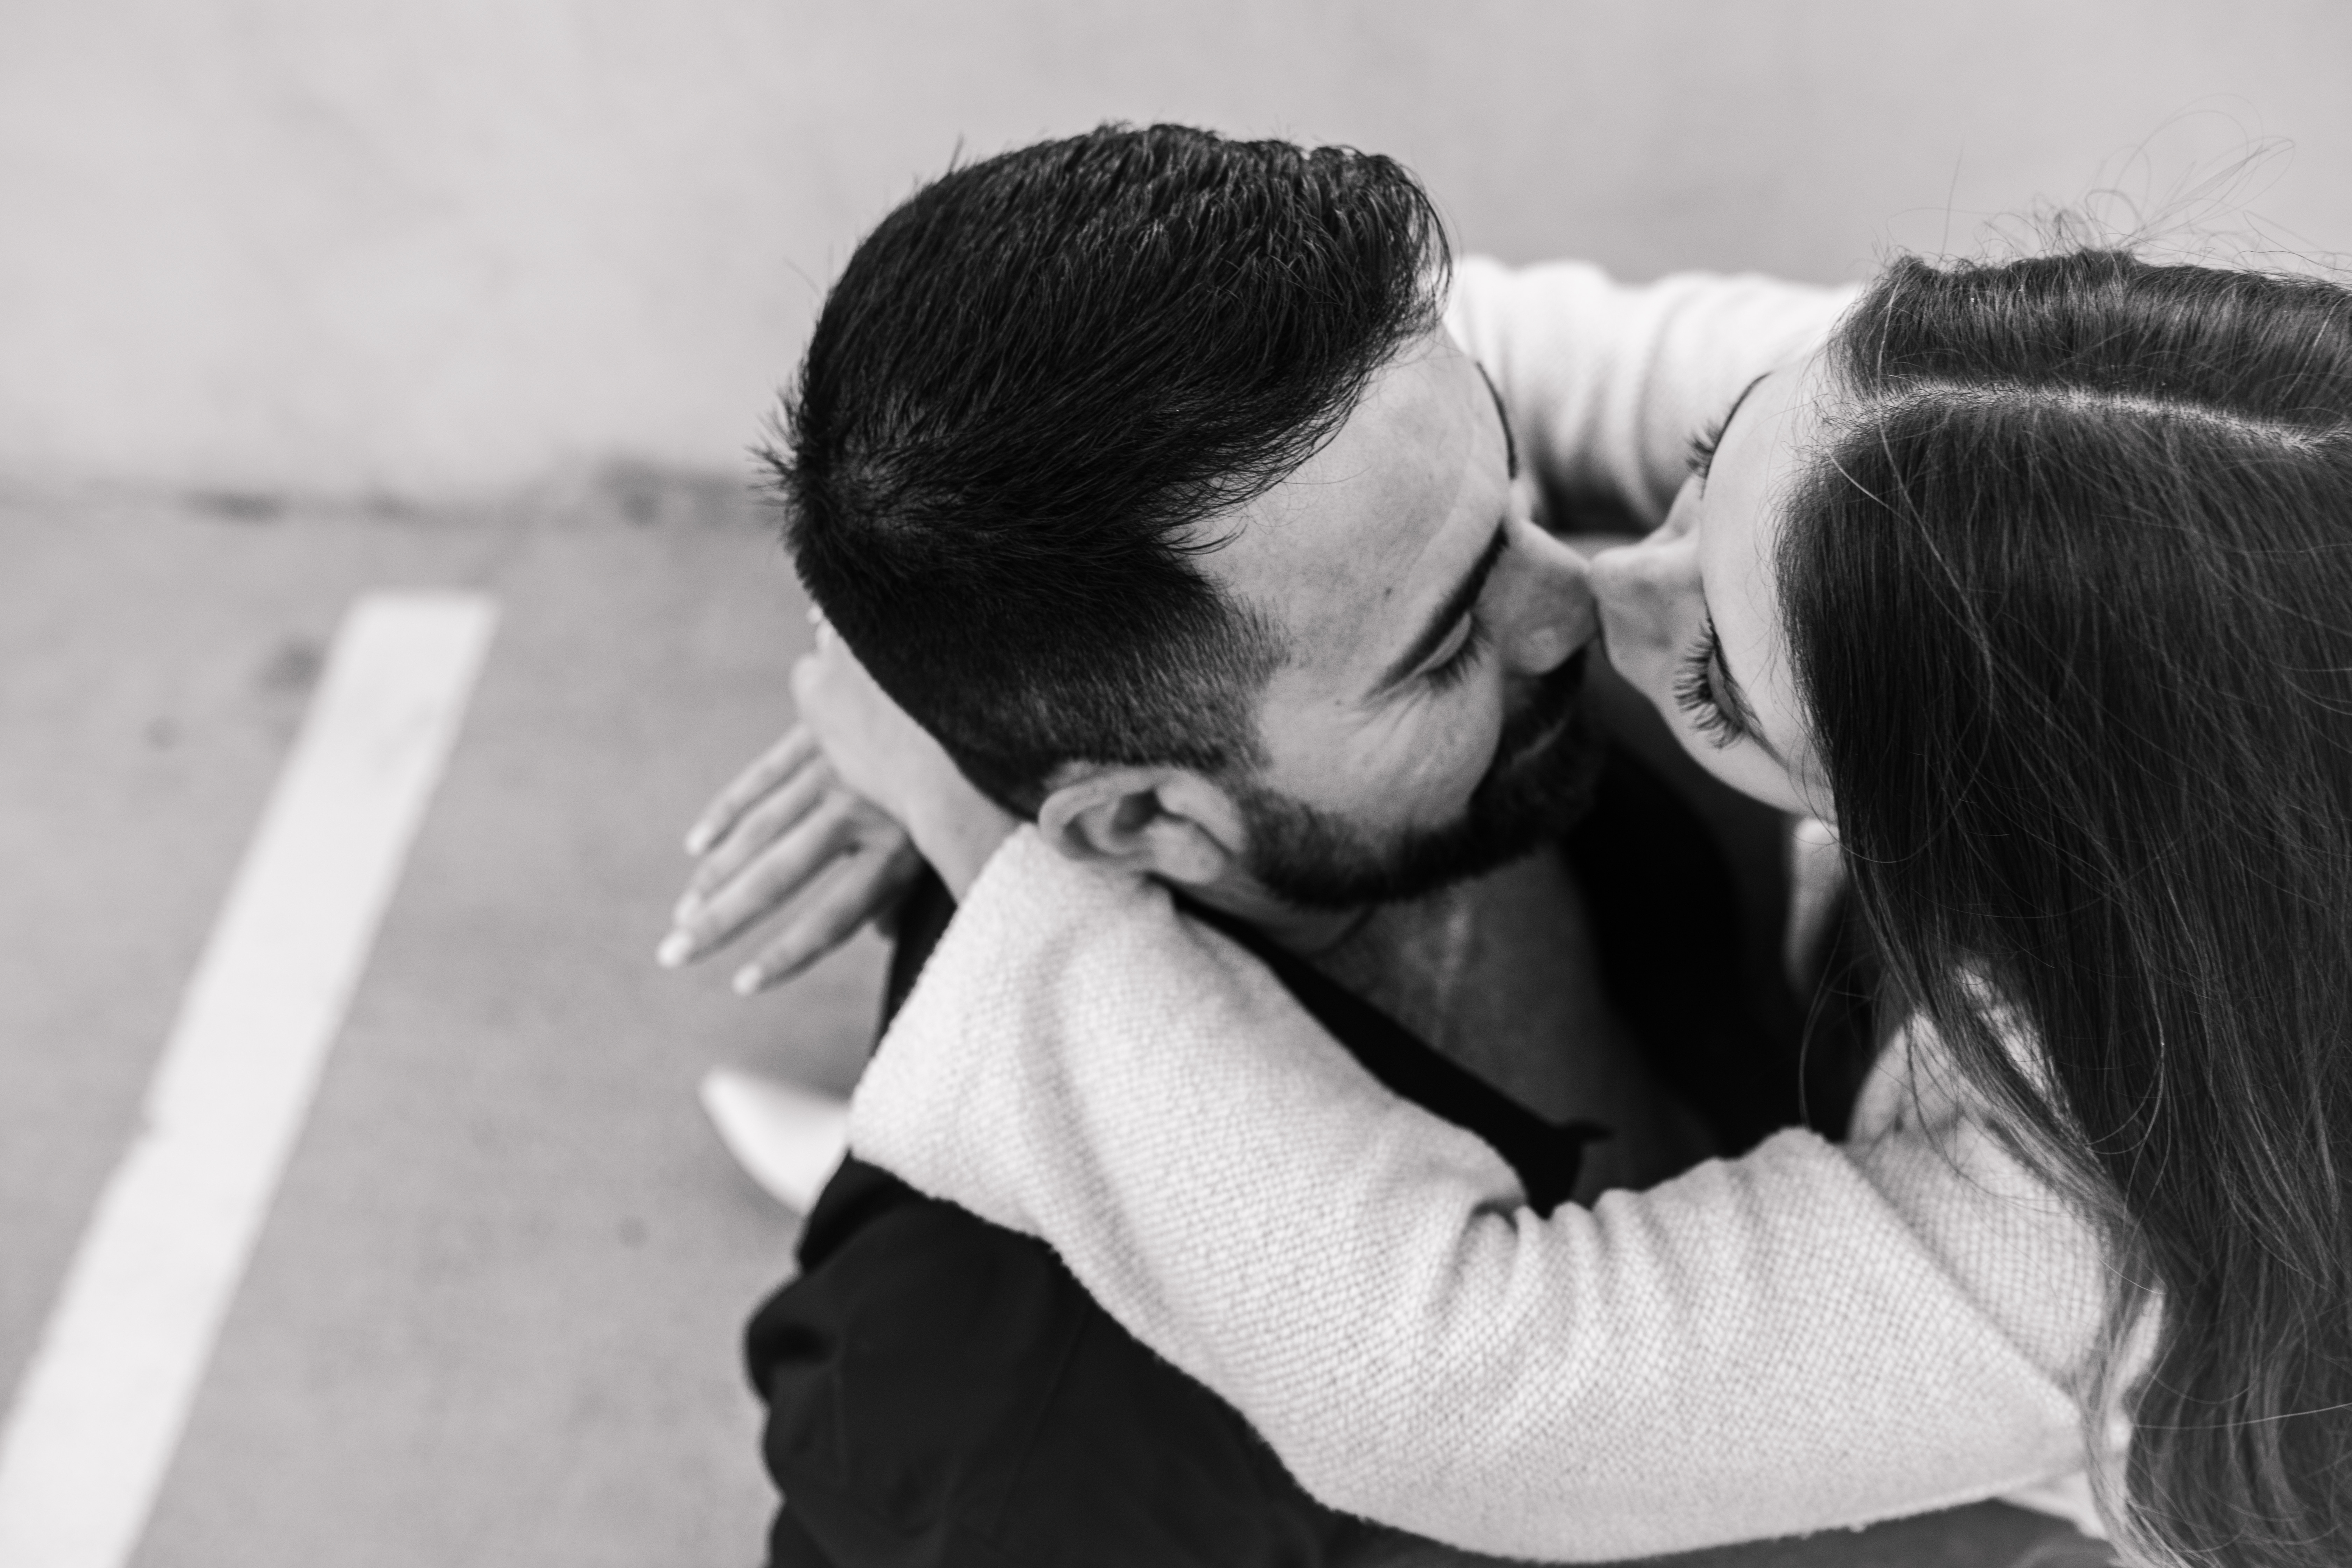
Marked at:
<point>1761,1346</point>
<point>1607,382</point>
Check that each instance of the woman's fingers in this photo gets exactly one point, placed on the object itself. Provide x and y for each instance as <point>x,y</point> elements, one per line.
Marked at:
<point>770,880</point>
<point>786,831</point>
<point>750,833</point>
<point>784,867</point>
<point>791,830</point>
<point>865,884</point>
<point>771,768</point>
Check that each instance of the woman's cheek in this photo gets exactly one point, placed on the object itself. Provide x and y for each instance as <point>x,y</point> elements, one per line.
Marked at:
<point>1745,768</point>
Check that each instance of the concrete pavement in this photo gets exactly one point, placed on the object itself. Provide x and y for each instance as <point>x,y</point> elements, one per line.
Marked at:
<point>492,1316</point>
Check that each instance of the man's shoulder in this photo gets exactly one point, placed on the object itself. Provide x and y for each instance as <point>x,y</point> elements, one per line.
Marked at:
<point>942,1392</point>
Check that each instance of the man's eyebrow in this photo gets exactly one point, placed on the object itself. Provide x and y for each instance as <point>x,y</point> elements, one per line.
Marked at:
<point>1510,442</point>
<point>1456,605</point>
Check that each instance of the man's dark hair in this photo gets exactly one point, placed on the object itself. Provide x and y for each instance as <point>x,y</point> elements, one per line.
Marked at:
<point>1034,383</point>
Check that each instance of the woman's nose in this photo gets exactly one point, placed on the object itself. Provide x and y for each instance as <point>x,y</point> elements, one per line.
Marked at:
<point>1550,614</point>
<point>1645,594</point>
<point>1636,583</point>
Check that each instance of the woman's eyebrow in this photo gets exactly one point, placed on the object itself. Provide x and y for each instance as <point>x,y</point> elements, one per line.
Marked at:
<point>1723,427</point>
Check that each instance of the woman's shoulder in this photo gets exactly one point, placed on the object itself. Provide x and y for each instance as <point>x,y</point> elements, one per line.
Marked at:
<point>1917,1082</point>
<point>1934,1148</point>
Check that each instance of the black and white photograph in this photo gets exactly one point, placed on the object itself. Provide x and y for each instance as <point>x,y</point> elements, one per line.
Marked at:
<point>1272,783</point>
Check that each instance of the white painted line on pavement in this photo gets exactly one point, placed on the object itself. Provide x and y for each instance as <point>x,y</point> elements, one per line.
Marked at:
<point>100,1412</point>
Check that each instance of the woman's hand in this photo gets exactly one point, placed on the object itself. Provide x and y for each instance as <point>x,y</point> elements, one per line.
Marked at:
<point>895,763</point>
<point>815,822</point>
<point>787,831</point>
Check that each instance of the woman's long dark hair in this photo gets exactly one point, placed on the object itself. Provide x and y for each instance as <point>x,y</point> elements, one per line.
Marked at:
<point>2069,594</point>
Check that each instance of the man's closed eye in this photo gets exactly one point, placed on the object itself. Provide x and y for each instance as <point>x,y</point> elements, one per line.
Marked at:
<point>1455,667</point>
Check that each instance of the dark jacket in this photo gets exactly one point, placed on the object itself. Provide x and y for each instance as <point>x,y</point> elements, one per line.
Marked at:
<point>942,1393</point>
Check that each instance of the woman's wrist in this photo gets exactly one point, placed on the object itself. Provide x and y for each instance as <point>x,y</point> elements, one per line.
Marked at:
<point>959,830</point>
<point>882,754</point>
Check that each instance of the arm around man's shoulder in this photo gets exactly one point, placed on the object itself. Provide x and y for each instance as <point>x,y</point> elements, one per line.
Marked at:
<point>1608,381</point>
<point>1760,1346</point>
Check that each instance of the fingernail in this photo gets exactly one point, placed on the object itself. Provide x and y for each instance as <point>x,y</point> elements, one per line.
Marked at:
<point>675,948</point>
<point>747,980</point>
<point>698,838</point>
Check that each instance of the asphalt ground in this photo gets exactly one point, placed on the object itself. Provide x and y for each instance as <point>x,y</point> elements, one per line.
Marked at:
<point>493,1314</point>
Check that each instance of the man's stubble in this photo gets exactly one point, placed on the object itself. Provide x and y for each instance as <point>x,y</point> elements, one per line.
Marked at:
<point>1546,762</point>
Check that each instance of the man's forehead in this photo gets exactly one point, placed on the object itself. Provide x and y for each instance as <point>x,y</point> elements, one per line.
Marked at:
<point>1342,553</point>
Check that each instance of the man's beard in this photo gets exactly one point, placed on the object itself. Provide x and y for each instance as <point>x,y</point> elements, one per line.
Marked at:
<point>1545,764</point>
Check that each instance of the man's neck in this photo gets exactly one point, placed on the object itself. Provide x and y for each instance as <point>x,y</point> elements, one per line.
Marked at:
<point>1309,933</point>
<point>1496,973</point>
<point>1502,975</point>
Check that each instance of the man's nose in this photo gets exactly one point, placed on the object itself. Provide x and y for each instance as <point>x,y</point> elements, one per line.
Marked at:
<point>1550,614</point>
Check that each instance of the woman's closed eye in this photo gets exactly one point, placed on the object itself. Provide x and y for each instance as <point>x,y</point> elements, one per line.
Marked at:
<point>1702,445</point>
<point>1695,687</point>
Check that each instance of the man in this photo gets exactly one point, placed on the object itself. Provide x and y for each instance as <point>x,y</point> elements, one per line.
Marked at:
<point>1141,469</point>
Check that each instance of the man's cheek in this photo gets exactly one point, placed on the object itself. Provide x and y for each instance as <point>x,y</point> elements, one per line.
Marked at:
<point>1413,766</point>
<point>1436,769</point>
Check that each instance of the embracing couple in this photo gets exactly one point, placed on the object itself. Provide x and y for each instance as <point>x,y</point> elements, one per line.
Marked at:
<point>1835,1006</point>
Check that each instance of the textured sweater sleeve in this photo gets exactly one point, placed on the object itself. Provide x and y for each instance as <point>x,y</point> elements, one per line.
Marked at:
<point>1761,1346</point>
<point>1607,382</point>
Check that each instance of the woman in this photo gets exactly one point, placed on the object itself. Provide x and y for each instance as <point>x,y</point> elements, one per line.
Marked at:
<point>2036,582</point>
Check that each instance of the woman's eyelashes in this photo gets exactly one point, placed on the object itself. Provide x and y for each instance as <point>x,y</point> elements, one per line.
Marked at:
<point>1695,690</point>
<point>1450,671</point>
<point>1702,445</point>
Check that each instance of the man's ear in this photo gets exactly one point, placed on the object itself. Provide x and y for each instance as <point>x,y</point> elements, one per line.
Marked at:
<point>1171,822</point>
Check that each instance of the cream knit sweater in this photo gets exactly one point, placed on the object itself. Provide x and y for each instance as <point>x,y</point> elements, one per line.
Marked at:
<point>1806,1337</point>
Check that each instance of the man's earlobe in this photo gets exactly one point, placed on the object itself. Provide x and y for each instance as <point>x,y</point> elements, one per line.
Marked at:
<point>1165,821</point>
